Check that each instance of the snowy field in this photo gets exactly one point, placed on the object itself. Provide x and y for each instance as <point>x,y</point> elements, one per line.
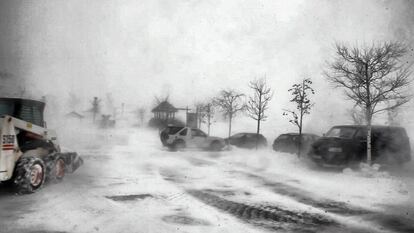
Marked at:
<point>130,183</point>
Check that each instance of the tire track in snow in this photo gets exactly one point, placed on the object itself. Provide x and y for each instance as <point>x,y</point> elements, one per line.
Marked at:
<point>271,217</point>
<point>299,194</point>
<point>305,197</point>
<point>386,222</point>
<point>391,222</point>
<point>264,216</point>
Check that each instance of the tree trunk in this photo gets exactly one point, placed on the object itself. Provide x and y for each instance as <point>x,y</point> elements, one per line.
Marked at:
<point>198,118</point>
<point>369,159</point>
<point>300,139</point>
<point>300,131</point>
<point>301,119</point>
<point>369,144</point>
<point>230,116</point>
<point>368,115</point>
<point>208,119</point>
<point>208,124</point>
<point>259,117</point>
<point>257,132</point>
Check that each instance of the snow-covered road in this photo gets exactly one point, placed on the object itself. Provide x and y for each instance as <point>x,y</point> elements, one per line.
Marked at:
<point>129,183</point>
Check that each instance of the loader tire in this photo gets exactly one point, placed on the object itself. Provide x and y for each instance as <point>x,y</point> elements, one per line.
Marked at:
<point>30,175</point>
<point>57,171</point>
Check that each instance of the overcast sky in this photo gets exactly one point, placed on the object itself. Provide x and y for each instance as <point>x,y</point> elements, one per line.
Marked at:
<point>189,49</point>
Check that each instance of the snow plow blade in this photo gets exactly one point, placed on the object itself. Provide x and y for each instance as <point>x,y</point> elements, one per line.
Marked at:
<point>72,161</point>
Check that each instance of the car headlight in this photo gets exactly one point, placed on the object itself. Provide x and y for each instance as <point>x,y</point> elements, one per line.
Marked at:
<point>335,149</point>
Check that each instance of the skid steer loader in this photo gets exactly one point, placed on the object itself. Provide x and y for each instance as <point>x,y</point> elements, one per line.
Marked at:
<point>29,152</point>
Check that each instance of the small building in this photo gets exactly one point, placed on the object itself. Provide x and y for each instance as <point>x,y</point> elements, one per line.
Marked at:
<point>164,111</point>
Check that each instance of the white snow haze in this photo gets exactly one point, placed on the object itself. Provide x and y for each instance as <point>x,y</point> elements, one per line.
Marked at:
<point>128,53</point>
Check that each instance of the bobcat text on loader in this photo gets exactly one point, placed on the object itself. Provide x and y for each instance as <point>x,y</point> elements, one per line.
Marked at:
<point>29,152</point>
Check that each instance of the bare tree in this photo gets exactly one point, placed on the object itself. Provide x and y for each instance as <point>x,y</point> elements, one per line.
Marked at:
<point>205,113</point>
<point>200,113</point>
<point>373,77</point>
<point>259,102</point>
<point>300,93</point>
<point>209,113</point>
<point>358,115</point>
<point>230,103</point>
<point>393,116</point>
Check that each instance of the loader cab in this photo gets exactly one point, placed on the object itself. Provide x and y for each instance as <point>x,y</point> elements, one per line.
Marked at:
<point>23,109</point>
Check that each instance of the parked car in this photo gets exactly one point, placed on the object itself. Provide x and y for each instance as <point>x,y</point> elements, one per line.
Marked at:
<point>346,144</point>
<point>247,140</point>
<point>179,137</point>
<point>289,142</point>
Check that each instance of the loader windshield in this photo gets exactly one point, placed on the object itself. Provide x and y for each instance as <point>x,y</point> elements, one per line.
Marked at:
<point>6,108</point>
<point>24,109</point>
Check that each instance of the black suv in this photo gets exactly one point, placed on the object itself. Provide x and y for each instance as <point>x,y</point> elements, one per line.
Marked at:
<point>346,144</point>
<point>247,140</point>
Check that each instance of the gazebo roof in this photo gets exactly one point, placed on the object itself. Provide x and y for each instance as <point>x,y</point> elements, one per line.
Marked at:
<point>164,106</point>
<point>74,114</point>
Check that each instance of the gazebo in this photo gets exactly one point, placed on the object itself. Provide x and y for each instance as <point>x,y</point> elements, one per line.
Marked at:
<point>75,115</point>
<point>164,111</point>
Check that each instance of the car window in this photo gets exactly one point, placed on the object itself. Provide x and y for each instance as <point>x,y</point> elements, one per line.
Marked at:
<point>238,135</point>
<point>378,134</point>
<point>183,132</point>
<point>341,132</point>
<point>174,130</point>
<point>283,136</point>
<point>254,136</point>
<point>197,133</point>
<point>361,134</point>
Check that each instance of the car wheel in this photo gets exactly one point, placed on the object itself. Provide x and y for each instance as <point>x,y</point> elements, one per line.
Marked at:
<point>352,161</point>
<point>164,137</point>
<point>215,146</point>
<point>179,145</point>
